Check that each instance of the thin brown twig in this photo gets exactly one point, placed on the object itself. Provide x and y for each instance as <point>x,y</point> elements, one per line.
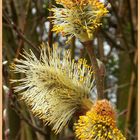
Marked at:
<point>110,39</point>
<point>50,35</point>
<point>14,105</point>
<point>22,22</point>
<point>18,31</point>
<point>122,113</point>
<point>18,135</point>
<point>131,23</point>
<point>130,99</point>
<point>117,87</point>
<point>73,47</point>
<point>22,117</point>
<point>132,135</point>
<point>120,25</point>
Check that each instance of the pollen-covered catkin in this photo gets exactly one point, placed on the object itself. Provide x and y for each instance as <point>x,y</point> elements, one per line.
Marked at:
<point>78,18</point>
<point>99,123</point>
<point>53,86</point>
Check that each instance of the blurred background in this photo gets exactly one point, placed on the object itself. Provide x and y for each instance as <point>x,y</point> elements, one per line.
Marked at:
<point>26,26</point>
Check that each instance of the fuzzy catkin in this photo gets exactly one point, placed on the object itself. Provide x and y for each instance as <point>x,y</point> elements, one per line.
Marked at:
<point>53,86</point>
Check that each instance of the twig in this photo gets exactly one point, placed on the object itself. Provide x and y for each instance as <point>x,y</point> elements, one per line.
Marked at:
<point>18,135</point>
<point>131,135</point>
<point>22,117</point>
<point>131,22</point>
<point>120,25</point>
<point>122,113</point>
<point>50,35</point>
<point>18,31</point>
<point>73,47</point>
<point>100,47</point>
<point>117,87</point>
<point>22,24</point>
<point>130,99</point>
<point>109,38</point>
<point>99,77</point>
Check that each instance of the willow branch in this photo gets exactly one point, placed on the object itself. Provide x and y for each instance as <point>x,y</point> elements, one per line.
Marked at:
<point>131,95</point>
<point>18,31</point>
<point>15,106</point>
<point>131,22</point>
<point>22,117</point>
<point>99,72</point>
<point>124,112</point>
<point>110,39</point>
<point>117,87</point>
<point>120,25</point>
<point>50,35</point>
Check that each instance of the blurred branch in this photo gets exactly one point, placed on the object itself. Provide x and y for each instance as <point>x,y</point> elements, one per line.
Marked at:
<point>22,117</point>
<point>132,135</point>
<point>100,40</point>
<point>50,35</point>
<point>120,25</point>
<point>14,106</point>
<point>110,39</point>
<point>117,87</point>
<point>34,122</point>
<point>18,31</point>
<point>22,20</point>
<point>18,135</point>
<point>73,46</point>
<point>124,112</point>
<point>131,95</point>
<point>131,23</point>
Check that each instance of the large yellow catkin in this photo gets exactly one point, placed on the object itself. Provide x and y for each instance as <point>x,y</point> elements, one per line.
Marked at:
<point>53,86</point>
<point>99,123</point>
<point>78,18</point>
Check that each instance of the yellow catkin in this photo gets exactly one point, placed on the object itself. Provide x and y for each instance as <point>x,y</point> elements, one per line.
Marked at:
<point>53,86</point>
<point>78,18</point>
<point>99,123</point>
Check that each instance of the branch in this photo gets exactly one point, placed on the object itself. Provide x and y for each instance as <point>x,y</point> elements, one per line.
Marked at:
<point>120,25</point>
<point>117,87</point>
<point>132,135</point>
<point>131,96</point>
<point>99,72</point>
<point>22,117</point>
<point>18,31</point>
<point>109,38</point>
<point>122,113</point>
<point>50,35</point>
<point>131,22</point>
